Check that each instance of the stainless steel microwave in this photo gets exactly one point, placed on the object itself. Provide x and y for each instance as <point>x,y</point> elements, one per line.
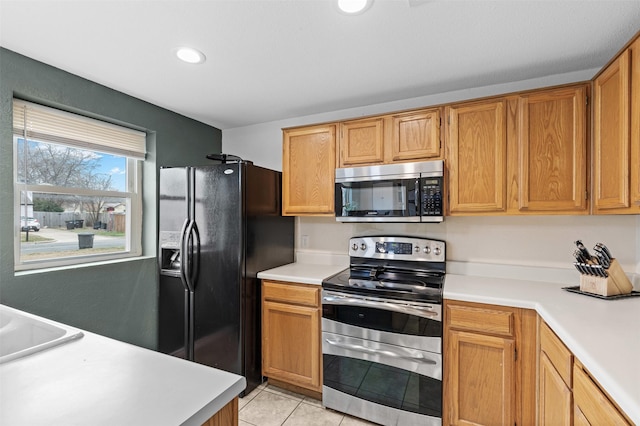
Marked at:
<point>403,192</point>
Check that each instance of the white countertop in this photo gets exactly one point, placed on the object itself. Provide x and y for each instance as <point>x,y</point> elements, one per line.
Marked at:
<point>100,381</point>
<point>603,334</point>
<point>306,273</point>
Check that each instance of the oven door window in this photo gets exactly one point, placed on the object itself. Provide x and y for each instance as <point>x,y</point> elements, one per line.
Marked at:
<point>392,198</point>
<point>363,374</point>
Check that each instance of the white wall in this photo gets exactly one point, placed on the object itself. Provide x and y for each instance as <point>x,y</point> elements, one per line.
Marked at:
<point>262,143</point>
<point>541,242</point>
<point>638,245</point>
<point>489,244</point>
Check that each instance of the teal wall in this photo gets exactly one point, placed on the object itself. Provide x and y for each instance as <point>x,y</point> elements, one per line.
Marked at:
<point>117,300</point>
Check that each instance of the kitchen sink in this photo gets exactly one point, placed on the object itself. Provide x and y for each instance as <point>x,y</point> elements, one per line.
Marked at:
<point>23,334</point>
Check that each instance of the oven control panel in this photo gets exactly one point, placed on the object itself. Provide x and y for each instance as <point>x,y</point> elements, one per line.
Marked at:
<point>396,247</point>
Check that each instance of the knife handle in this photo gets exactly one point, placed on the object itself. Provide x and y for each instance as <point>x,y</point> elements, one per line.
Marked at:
<point>605,250</point>
<point>579,257</point>
<point>603,259</point>
<point>585,253</point>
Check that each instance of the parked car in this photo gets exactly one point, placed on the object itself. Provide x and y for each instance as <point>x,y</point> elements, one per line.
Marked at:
<point>29,224</point>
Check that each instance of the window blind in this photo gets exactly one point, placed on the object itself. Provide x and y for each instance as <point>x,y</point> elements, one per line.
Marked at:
<point>52,125</point>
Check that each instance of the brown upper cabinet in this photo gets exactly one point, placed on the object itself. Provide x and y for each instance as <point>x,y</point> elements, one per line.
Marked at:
<point>524,153</point>
<point>477,154</point>
<point>547,147</point>
<point>361,142</point>
<point>308,171</point>
<point>404,137</point>
<point>416,136</point>
<point>616,141</point>
<point>521,154</point>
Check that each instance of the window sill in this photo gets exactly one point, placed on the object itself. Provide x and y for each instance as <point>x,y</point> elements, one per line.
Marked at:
<point>81,265</point>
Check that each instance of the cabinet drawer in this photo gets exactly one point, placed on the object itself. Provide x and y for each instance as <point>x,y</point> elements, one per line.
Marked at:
<point>298,294</point>
<point>592,402</point>
<point>557,352</point>
<point>490,319</point>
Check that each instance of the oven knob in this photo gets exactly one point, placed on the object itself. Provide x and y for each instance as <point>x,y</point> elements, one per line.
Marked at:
<point>437,251</point>
<point>354,247</point>
<point>363,246</point>
<point>417,249</point>
<point>427,250</point>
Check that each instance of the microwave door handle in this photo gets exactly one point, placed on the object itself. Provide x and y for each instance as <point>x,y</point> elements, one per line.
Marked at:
<point>418,201</point>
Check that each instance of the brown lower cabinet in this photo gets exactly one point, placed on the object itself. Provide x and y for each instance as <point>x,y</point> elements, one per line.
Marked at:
<point>489,365</point>
<point>291,352</point>
<point>227,416</point>
<point>502,365</point>
<point>568,395</point>
<point>555,379</point>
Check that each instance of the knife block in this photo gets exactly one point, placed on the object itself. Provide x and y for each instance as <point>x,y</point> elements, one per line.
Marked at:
<point>616,283</point>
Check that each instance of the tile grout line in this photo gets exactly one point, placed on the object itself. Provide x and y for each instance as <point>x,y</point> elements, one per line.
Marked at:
<point>300,399</point>
<point>293,411</point>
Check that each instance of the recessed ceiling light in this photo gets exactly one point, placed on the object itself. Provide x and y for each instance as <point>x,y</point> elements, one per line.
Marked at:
<point>190,55</point>
<point>353,7</point>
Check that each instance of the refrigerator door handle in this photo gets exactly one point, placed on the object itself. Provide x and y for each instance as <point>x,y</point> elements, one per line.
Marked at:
<point>184,256</point>
<point>194,254</point>
<point>191,250</point>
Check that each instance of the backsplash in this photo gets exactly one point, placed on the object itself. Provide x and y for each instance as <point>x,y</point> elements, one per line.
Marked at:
<point>536,247</point>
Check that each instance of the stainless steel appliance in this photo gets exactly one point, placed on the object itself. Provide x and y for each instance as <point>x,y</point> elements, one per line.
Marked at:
<point>404,192</point>
<point>219,226</point>
<point>382,331</point>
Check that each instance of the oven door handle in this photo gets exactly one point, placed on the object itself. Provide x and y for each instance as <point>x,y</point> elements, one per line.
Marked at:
<point>426,312</point>
<point>372,351</point>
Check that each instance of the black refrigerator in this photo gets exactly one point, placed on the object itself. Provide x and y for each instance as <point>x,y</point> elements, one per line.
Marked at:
<point>219,226</point>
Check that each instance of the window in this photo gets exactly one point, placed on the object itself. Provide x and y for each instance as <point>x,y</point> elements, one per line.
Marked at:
<point>77,188</point>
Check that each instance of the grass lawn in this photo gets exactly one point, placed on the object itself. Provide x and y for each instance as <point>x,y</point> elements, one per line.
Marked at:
<point>97,232</point>
<point>33,237</point>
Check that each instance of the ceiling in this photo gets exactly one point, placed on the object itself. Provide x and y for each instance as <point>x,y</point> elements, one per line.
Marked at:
<point>274,59</point>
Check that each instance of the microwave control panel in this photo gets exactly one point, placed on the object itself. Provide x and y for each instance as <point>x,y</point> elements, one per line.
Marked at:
<point>431,196</point>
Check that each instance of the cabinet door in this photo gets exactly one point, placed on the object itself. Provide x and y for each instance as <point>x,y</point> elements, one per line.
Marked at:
<point>477,157</point>
<point>361,142</point>
<point>552,151</point>
<point>635,125</point>
<point>416,136</point>
<point>595,406</point>
<point>579,418</point>
<point>555,403</point>
<point>611,139</point>
<point>227,416</point>
<point>557,353</point>
<point>291,344</point>
<point>308,171</point>
<point>481,388</point>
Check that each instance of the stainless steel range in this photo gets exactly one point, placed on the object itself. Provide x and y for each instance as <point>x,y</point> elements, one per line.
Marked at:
<point>382,331</point>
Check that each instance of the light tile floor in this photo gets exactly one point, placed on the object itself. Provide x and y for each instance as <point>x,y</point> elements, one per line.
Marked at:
<point>269,405</point>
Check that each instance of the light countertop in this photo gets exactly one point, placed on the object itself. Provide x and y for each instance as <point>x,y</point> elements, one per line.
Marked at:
<point>305,273</point>
<point>100,381</point>
<point>603,334</point>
